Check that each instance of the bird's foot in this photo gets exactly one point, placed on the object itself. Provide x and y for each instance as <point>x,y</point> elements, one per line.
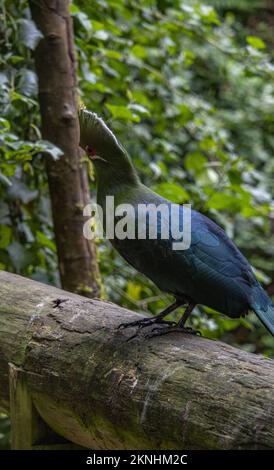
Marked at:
<point>177,329</point>
<point>144,322</point>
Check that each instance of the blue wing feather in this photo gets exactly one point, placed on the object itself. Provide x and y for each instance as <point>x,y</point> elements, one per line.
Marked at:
<point>212,271</point>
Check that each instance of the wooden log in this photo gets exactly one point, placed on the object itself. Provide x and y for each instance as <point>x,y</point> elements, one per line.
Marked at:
<point>28,430</point>
<point>98,390</point>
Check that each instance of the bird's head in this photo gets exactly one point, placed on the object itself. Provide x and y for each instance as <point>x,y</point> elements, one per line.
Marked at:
<point>111,161</point>
<point>96,138</point>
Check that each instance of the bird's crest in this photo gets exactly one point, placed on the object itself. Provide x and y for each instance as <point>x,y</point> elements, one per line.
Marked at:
<point>94,131</point>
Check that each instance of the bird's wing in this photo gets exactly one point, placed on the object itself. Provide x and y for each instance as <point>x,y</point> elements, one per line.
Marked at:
<point>211,245</point>
<point>218,274</point>
<point>212,271</point>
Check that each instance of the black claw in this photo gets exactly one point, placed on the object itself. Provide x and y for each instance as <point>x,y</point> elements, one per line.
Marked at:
<point>164,331</point>
<point>139,323</point>
<point>144,322</point>
<point>125,325</point>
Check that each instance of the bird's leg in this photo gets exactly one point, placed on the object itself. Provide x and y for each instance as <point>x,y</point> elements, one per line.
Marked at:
<point>180,327</point>
<point>157,319</point>
<point>185,316</point>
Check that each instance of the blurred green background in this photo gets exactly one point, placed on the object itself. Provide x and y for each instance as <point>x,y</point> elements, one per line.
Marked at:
<point>188,88</point>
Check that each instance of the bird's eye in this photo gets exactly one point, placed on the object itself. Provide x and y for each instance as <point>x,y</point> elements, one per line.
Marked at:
<point>90,150</point>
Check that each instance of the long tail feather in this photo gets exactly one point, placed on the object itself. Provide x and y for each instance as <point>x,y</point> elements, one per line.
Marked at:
<point>266,315</point>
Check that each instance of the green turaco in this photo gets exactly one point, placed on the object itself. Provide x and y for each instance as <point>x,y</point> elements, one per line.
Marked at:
<point>211,271</point>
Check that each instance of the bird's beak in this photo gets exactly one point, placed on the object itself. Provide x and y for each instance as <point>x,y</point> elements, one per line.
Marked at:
<point>96,157</point>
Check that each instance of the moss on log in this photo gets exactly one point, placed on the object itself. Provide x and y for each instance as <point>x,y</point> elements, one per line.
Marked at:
<point>98,390</point>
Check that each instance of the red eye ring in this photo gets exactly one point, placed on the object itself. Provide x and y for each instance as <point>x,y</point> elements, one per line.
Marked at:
<point>90,151</point>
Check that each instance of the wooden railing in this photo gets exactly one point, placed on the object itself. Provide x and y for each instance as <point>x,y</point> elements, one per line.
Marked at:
<point>68,377</point>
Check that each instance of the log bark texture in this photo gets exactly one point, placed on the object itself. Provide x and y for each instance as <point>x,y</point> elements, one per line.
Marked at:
<point>67,177</point>
<point>99,390</point>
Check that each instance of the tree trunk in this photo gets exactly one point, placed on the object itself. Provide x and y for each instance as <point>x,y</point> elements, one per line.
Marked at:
<point>97,388</point>
<point>68,184</point>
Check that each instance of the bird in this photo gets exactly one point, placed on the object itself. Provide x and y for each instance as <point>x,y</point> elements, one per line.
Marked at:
<point>211,271</point>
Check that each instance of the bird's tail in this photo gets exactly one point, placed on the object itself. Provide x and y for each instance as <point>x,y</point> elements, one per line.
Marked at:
<point>264,309</point>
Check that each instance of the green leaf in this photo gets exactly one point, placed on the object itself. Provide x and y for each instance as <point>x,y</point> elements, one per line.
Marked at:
<point>122,112</point>
<point>221,201</point>
<point>139,108</point>
<point>172,191</point>
<point>45,241</point>
<point>47,147</point>
<point>4,124</point>
<point>209,14</point>
<point>21,191</point>
<point>256,42</point>
<point>101,34</point>
<point>139,51</point>
<point>4,180</point>
<point>29,35</point>
<point>28,82</point>
<point>195,162</point>
<point>5,236</point>
<point>186,113</point>
<point>134,290</point>
<point>19,255</point>
<point>3,78</point>
<point>85,22</point>
<point>73,9</point>
<point>113,54</point>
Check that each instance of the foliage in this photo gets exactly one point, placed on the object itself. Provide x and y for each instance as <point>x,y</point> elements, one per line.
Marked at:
<point>240,5</point>
<point>26,244</point>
